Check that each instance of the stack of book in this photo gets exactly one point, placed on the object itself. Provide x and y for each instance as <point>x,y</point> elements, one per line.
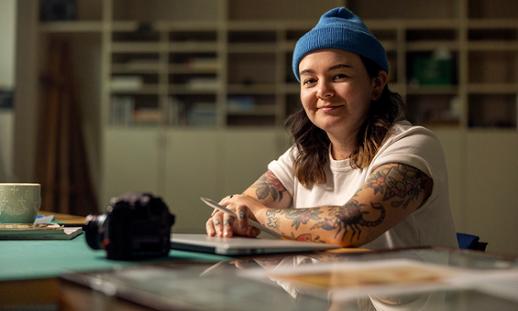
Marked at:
<point>38,232</point>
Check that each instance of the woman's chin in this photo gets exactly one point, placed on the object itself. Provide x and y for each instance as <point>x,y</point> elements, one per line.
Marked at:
<point>331,125</point>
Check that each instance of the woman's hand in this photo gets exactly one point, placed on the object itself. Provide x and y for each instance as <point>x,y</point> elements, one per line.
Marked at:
<point>221,224</point>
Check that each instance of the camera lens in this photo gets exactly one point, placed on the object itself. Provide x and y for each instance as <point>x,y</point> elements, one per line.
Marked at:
<point>95,230</point>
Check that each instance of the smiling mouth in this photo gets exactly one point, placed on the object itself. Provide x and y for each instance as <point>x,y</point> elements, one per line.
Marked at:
<point>329,108</point>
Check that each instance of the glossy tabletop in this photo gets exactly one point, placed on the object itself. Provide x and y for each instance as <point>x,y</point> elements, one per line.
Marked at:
<point>222,286</point>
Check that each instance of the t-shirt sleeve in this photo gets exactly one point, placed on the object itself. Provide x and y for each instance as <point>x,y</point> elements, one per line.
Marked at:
<point>417,147</point>
<point>283,169</point>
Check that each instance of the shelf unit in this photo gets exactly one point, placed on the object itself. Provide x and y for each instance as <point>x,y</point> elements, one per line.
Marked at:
<point>166,74</point>
<point>226,63</point>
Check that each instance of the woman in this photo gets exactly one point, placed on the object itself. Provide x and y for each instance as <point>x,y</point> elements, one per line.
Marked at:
<point>357,174</point>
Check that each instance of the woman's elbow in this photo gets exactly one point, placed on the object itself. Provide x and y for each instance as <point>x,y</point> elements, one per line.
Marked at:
<point>341,241</point>
<point>350,240</point>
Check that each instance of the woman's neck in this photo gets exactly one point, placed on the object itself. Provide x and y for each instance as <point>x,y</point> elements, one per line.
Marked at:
<point>341,149</point>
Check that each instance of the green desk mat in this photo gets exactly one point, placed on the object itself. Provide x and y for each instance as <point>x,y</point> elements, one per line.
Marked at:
<point>31,259</point>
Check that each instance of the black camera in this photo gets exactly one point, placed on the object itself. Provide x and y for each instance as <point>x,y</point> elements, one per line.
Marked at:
<point>136,226</point>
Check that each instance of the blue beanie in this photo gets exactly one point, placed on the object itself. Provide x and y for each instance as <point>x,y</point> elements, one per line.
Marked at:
<point>340,29</point>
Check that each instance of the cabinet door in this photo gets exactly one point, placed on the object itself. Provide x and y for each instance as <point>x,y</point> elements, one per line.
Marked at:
<point>192,169</point>
<point>247,153</point>
<point>453,142</point>
<point>492,188</point>
<point>131,161</point>
<point>213,163</point>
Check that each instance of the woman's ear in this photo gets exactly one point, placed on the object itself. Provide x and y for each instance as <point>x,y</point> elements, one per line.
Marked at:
<point>378,84</point>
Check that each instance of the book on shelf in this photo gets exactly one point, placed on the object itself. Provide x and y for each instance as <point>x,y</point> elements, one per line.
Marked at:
<point>205,63</point>
<point>126,83</point>
<point>241,103</point>
<point>202,84</point>
<point>202,114</point>
<point>121,112</point>
<point>437,68</point>
<point>147,116</point>
<point>175,107</point>
<point>142,64</point>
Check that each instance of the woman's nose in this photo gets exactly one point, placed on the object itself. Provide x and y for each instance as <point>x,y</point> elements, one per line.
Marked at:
<point>324,91</point>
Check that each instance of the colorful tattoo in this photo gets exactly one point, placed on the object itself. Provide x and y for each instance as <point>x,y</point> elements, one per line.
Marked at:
<point>268,185</point>
<point>227,221</point>
<point>297,216</point>
<point>396,186</point>
<point>351,218</point>
<point>302,216</point>
<point>272,220</point>
<point>401,184</point>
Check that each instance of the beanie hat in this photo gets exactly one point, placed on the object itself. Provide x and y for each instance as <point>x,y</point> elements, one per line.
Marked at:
<point>341,29</point>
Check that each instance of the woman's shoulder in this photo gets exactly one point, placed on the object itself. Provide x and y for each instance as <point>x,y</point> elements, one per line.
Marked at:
<point>408,140</point>
<point>405,129</point>
<point>413,145</point>
<point>289,155</point>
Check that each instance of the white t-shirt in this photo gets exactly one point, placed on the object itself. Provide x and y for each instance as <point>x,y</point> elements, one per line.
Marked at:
<point>416,146</point>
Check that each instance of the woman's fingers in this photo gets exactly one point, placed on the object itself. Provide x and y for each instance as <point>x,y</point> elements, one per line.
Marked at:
<point>253,232</point>
<point>225,225</point>
<point>220,225</point>
<point>243,226</point>
<point>209,227</point>
<point>242,217</point>
<point>217,221</point>
<point>223,202</point>
<point>228,220</point>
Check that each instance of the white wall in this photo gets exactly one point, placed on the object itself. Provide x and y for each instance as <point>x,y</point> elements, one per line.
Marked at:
<point>7,48</point>
<point>7,35</point>
<point>26,81</point>
<point>6,143</point>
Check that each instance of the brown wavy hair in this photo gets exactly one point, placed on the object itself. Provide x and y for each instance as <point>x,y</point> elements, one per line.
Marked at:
<point>313,143</point>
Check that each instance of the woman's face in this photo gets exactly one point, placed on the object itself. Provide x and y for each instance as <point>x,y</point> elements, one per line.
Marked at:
<point>336,90</point>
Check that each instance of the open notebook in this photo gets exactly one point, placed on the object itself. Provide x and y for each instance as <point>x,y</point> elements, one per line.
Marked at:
<point>241,246</point>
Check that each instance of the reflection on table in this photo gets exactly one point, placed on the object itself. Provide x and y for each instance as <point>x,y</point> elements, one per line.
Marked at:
<point>222,286</point>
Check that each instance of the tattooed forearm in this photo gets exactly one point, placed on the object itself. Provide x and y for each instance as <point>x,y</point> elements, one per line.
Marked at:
<point>389,194</point>
<point>306,237</point>
<point>351,218</point>
<point>401,184</point>
<point>271,218</point>
<point>302,216</point>
<point>295,217</point>
<point>348,220</point>
<point>269,186</point>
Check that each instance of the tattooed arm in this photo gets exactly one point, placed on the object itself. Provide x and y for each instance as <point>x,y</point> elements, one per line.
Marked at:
<point>266,193</point>
<point>269,191</point>
<point>391,193</point>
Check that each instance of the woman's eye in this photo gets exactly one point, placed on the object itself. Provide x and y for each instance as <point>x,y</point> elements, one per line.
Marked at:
<point>340,76</point>
<point>308,82</point>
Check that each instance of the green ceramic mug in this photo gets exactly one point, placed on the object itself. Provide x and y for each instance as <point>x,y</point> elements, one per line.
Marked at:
<point>19,202</point>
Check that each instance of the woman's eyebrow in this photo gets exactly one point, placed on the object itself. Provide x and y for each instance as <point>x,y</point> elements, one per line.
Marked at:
<point>337,66</point>
<point>306,71</point>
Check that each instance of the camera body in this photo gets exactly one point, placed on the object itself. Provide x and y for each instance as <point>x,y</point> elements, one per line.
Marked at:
<point>136,226</point>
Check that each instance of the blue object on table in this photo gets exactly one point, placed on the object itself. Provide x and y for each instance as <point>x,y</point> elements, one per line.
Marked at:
<point>470,241</point>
